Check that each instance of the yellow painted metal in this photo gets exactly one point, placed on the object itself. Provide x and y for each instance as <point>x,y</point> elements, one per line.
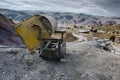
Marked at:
<point>31,30</point>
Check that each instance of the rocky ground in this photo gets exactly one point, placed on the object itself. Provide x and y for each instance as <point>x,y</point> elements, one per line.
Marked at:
<point>83,62</point>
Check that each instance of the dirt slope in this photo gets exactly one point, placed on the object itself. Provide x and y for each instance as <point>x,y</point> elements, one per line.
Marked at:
<point>7,33</point>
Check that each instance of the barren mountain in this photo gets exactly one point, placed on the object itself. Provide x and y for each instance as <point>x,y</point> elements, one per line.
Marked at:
<point>14,15</point>
<point>64,19</point>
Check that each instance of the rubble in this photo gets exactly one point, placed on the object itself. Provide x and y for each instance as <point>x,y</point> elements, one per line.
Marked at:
<point>83,62</point>
<point>103,44</point>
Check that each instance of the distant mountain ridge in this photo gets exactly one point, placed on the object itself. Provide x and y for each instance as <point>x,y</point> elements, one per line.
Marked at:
<point>14,15</point>
<point>64,19</point>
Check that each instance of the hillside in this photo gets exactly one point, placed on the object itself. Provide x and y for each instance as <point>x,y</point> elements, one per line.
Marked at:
<point>85,60</point>
<point>7,33</point>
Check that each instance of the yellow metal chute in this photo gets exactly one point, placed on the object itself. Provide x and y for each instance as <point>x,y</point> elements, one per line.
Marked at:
<point>34,28</point>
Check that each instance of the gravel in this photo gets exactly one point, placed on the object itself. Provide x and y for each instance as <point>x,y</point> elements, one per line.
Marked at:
<point>83,62</point>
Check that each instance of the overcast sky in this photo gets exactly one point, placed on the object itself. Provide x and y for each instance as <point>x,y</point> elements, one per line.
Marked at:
<point>94,7</point>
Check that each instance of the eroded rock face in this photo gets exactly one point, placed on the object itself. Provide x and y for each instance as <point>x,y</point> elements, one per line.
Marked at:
<point>7,33</point>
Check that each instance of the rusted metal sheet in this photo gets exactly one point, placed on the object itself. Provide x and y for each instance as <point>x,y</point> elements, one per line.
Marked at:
<point>33,29</point>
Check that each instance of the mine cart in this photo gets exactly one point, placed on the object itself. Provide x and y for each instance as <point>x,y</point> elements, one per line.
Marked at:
<point>36,32</point>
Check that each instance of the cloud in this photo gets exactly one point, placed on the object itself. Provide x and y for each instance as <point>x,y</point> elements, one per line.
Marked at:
<point>112,6</point>
<point>95,7</point>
